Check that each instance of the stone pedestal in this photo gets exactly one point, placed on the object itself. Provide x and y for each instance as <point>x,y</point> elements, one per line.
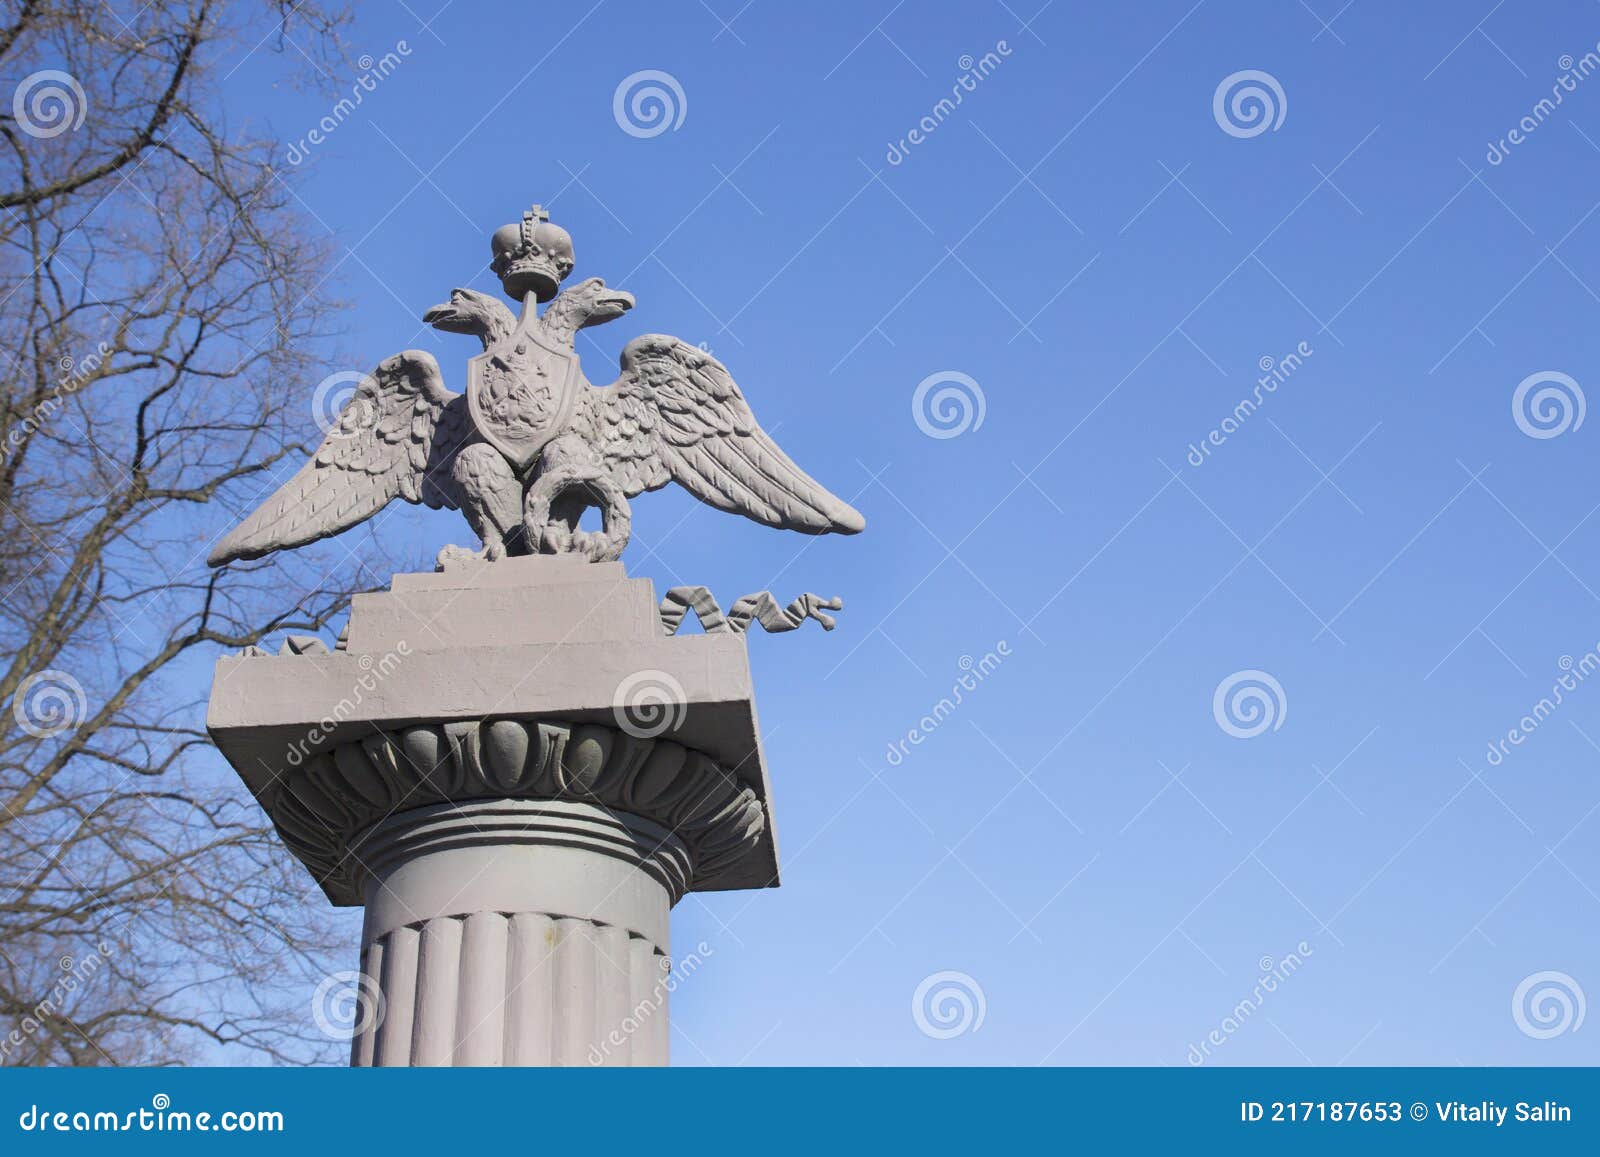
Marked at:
<point>517,775</point>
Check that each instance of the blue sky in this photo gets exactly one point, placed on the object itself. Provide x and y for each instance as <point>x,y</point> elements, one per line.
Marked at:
<point>1108,266</point>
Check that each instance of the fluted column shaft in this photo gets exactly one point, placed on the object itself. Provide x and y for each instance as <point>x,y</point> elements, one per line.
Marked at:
<point>518,932</point>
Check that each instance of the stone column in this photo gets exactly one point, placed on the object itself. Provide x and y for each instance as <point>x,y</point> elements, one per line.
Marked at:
<point>518,932</point>
<point>517,775</point>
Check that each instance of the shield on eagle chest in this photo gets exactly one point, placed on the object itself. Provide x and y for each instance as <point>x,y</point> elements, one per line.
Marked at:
<point>521,391</point>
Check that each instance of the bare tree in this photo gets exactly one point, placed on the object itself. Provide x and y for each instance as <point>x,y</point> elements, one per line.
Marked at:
<point>159,299</point>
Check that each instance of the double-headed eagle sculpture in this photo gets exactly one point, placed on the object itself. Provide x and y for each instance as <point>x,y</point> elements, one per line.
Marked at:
<point>532,444</point>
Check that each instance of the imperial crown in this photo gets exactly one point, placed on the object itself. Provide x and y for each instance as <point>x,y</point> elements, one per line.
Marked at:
<point>532,256</point>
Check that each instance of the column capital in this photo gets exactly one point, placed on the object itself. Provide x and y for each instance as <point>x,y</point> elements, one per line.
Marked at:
<point>332,809</point>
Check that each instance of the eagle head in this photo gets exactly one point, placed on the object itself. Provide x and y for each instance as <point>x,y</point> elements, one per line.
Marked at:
<point>594,303</point>
<point>469,311</point>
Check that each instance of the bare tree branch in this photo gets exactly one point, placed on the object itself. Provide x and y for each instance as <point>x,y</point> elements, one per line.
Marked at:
<point>161,314</point>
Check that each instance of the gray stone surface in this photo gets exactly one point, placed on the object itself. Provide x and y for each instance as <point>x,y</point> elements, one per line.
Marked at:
<point>508,933</point>
<point>439,670</point>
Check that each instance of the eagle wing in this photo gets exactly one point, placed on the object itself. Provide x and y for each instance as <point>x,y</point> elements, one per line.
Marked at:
<point>395,438</point>
<point>676,415</point>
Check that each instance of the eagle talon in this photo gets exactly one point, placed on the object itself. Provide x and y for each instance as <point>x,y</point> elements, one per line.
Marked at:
<point>814,606</point>
<point>452,557</point>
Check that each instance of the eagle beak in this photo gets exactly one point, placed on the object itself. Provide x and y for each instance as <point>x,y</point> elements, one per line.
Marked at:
<point>447,313</point>
<point>606,305</point>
